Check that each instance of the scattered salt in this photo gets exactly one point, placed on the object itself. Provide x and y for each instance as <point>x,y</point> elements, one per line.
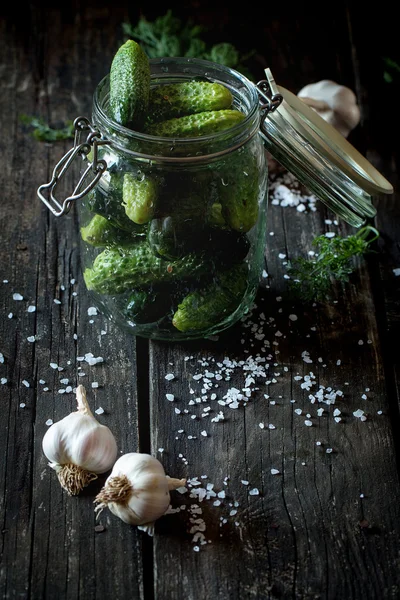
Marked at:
<point>170,376</point>
<point>26,383</point>
<point>254,492</point>
<point>31,309</point>
<point>31,338</point>
<point>95,385</point>
<point>308,423</point>
<point>99,411</point>
<point>3,381</point>
<point>92,311</point>
<point>203,433</point>
<point>274,472</point>
<point>49,422</point>
<point>170,397</point>
<point>17,297</point>
<point>10,315</point>
<point>56,301</point>
<point>244,482</point>
<point>293,317</point>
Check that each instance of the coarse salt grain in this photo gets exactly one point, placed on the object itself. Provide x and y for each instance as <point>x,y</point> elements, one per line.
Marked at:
<point>3,380</point>
<point>22,405</point>
<point>95,384</point>
<point>92,311</point>
<point>17,297</point>
<point>49,422</point>
<point>261,425</point>
<point>396,272</point>
<point>31,339</point>
<point>170,397</point>
<point>1,358</point>
<point>254,492</point>
<point>308,423</point>
<point>56,301</point>
<point>293,317</point>
<point>274,472</point>
<point>330,234</point>
<point>31,309</point>
<point>203,433</point>
<point>99,411</point>
<point>270,426</point>
<point>244,482</point>
<point>26,383</point>
<point>10,315</point>
<point>170,376</point>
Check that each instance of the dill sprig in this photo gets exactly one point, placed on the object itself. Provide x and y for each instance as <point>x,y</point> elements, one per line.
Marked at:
<point>169,36</point>
<point>44,133</point>
<point>311,279</point>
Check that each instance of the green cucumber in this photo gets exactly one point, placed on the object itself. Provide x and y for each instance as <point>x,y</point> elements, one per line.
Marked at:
<point>116,270</point>
<point>145,306</point>
<point>172,238</point>
<point>99,232</point>
<point>108,204</point>
<point>130,86</point>
<point>181,99</point>
<point>207,307</point>
<point>239,189</point>
<point>139,198</point>
<point>204,123</point>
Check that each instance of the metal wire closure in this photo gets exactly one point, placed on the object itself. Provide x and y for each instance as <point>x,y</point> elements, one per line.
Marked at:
<point>97,167</point>
<point>270,98</point>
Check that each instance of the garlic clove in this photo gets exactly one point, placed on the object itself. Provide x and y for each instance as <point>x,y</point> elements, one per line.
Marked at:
<point>137,491</point>
<point>336,104</point>
<point>79,448</point>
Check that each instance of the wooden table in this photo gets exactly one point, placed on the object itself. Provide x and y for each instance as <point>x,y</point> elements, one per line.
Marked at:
<point>327,525</point>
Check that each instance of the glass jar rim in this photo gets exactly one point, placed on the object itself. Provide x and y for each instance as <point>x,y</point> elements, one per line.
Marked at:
<point>230,138</point>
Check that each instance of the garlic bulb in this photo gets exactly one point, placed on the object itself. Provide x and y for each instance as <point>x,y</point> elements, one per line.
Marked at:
<point>137,491</point>
<point>79,447</point>
<point>335,103</point>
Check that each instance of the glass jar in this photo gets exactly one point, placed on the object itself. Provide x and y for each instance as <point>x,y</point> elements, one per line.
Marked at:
<point>185,261</point>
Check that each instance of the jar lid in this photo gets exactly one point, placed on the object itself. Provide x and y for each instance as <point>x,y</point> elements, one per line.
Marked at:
<point>320,157</point>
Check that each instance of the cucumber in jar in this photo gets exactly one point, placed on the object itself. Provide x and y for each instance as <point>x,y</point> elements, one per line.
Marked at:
<point>117,270</point>
<point>180,99</point>
<point>100,232</point>
<point>205,123</point>
<point>208,306</point>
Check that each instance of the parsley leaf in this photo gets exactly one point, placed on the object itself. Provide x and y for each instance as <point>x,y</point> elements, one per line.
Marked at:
<point>311,279</point>
<point>168,36</point>
<point>44,133</point>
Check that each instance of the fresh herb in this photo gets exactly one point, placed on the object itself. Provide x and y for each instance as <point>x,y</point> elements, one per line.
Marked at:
<point>169,36</point>
<point>311,279</point>
<point>44,133</point>
<point>392,69</point>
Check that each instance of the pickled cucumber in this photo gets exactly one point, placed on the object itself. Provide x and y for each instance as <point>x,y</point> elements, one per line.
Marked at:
<point>172,237</point>
<point>139,198</point>
<point>99,232</point>
<point>146,306</point>
<point>204,123</point>
<point>206,307</point>
<point>238,190</point>
<point>108,204</point>
<point>116,270</point>
<point>130,86</point>
<point>180,99</point>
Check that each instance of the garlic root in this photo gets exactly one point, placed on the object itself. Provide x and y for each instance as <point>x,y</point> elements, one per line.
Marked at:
<point>73,478</point>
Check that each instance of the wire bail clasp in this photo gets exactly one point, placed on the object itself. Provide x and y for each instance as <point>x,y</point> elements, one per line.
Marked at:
<point>97,167</point>
<point>270,98</point>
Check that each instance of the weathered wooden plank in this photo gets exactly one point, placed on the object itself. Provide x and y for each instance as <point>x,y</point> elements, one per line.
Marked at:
<point>49,545</point>
<point>325,526</point>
